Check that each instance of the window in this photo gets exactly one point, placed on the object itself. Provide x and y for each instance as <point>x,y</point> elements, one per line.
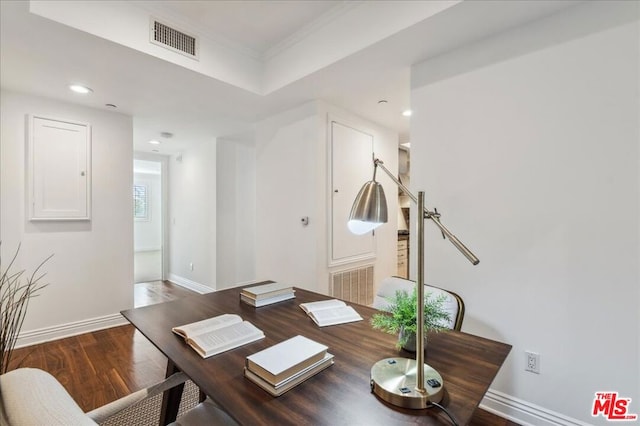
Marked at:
<point>140,202</point>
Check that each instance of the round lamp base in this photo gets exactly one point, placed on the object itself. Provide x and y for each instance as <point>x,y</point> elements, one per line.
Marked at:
<point>394,380</point>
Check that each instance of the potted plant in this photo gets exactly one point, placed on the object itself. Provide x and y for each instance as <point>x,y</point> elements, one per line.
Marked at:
<point>15,292</point>
<point>400,317</point>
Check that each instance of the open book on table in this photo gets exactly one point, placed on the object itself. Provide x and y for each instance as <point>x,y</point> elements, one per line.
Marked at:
<point>218,334</point>
<point>330,312</point>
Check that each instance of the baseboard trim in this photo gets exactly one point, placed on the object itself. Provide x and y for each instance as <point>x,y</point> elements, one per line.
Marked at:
<point>47,334</point>
<point>523,412</point>
<point>241,284</point>
<point>190,285</point>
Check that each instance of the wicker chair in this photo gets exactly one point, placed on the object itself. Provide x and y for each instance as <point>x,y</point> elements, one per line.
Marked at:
<point>29,396</point>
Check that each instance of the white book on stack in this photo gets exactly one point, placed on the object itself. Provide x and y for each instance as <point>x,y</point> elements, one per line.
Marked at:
<point>266,294</point>
<point>293,381</point>
<point>268,301</point>
<point>286,364</point>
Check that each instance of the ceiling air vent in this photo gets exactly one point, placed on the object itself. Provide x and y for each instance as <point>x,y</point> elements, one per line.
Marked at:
<point>165,36</point>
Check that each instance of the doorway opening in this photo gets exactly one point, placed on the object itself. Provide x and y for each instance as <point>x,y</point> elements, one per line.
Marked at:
<point>148,220</point>
<point>404,204</point>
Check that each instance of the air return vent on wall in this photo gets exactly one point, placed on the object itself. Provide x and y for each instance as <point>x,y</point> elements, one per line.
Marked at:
<point>353,285</point>
<point>165,36</point>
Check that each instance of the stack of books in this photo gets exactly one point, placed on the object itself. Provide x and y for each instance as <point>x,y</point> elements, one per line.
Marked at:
<point>287,364</point>
<point>266,294</point>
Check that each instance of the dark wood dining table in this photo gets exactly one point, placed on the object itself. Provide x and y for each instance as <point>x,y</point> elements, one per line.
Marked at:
<point>339,395</point>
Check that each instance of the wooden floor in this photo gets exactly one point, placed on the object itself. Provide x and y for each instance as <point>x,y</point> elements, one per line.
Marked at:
<point>145,294</point>
<point>99,367</point>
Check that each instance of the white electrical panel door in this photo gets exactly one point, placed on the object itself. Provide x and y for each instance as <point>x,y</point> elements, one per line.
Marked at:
<point>351,167</point>
<point>59,170</point>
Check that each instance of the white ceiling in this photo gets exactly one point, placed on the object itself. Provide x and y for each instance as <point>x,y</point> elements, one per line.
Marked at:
<point>42,57</point>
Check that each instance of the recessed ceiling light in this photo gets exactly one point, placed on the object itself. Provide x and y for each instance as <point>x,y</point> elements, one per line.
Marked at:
<point>110,106</point>
<point>382,101</point>
<point>154,142</point>
<point>407,113</point>
<point>78,88</point>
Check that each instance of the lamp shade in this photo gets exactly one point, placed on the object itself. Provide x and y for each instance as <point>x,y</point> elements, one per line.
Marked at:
<point>369,209</point>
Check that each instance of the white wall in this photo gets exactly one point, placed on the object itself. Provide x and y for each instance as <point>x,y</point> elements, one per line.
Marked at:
<point>528,144</point>
<point>236,212</point>
<point>91,273</point>
<point>292,182</point>
<point>192,217</point>
<point>286,190</point>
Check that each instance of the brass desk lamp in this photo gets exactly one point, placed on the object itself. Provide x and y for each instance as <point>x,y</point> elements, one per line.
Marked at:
<point>399,381</point>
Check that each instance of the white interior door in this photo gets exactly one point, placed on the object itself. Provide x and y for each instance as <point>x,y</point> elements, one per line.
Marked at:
<point>351,167</point>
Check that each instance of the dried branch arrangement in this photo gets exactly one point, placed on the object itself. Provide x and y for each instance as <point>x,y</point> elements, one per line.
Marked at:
<point>15,292</point>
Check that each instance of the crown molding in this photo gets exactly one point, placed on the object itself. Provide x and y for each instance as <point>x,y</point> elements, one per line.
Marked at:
<point>311,28</point>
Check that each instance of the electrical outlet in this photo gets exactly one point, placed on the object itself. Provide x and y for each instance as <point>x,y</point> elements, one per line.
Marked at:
<point>532,361</point>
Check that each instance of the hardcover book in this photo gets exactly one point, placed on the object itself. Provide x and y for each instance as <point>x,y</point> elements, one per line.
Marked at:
<point>279,362</point>
<point>266,301</point>
<point>267,290</point>
<point>293,381</point>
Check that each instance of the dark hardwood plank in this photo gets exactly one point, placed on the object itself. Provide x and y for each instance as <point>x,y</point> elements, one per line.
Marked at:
<point>157,292</point>
<point>100,367</point>
<point>132,363</point>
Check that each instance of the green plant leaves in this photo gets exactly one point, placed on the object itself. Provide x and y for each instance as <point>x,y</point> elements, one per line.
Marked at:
<point>401,314</point>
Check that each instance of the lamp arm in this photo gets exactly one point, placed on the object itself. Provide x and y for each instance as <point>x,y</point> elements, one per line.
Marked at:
<point>434,216</point>
<point>454,240</point>
<point>378,163</point>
